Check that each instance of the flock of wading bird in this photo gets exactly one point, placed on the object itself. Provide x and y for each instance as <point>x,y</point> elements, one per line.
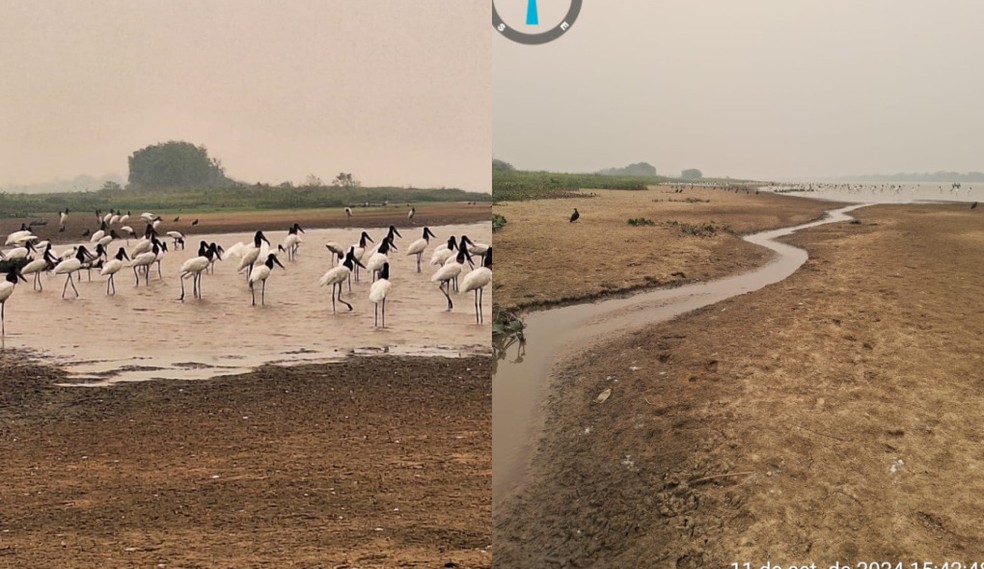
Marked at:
<point>256,259</point>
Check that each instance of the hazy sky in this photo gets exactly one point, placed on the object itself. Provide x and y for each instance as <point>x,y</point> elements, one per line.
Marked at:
<point>394,92</point>
<point>755,88</point>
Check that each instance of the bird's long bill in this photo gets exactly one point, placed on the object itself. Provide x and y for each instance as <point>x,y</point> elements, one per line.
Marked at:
<point>366,237</point>
<point>358,262</point>
<point>428,233</point>
<point>299,228</point>
<point>397,231</point>
<point>20,276</point>
<point>277,261</point>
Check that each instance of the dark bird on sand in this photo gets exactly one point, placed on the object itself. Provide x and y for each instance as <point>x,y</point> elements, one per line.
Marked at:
<point>973,205</point>
<point>575,215</point>
<point>194,222</point>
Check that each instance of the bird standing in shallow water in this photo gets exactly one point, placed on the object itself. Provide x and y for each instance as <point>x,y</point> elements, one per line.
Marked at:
<point>378,292</point>
<point>338,275</point>
<point>418,246</point>
<point>575,215</point>
<point>113,267</point>
<point>476,280</point>
<point>7,289</point>
<point>260,275</point>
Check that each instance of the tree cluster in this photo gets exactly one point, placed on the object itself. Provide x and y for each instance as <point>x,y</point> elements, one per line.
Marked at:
<point>175,164</point>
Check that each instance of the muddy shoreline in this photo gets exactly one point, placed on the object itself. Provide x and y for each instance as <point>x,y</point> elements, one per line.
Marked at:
<point>370,462</point>
<point>816,420</point>
<point>451,213</point>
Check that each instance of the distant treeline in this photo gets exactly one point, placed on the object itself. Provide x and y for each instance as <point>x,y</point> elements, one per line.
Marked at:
<point>940,176</point>
<point>637,169</point>
<point>238,198</point>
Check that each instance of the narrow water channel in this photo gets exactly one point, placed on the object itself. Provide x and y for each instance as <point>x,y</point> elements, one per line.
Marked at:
<point>520,381</point>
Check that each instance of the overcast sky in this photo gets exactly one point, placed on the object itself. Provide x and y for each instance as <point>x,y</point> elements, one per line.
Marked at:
<point>750,88</point>
<point>395,92</point>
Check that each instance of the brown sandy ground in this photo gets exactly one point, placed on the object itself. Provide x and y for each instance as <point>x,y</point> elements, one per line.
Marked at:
<point>371,462</point>
<point>603,254</point>
<point>268,220</point>
<point>835,416</point>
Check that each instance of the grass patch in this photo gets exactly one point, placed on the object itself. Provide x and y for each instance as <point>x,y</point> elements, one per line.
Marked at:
<point>507,330</point>
<point>698,229</point>
<point>498,222</point>
<point>639,221</point>
<point>519,186</point>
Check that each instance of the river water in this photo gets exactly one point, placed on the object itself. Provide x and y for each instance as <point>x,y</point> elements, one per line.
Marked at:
<point>144,332</point>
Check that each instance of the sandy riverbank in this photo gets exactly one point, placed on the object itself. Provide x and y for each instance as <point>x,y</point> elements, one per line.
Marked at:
<point>371,462</point>
<point>829,417</point>
<point>543,260</point>
<point>450,213</point>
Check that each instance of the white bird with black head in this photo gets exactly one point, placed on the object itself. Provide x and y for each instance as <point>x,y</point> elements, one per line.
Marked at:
<point>7,289</point>
<point>336,277</point>
<point>260,275</point>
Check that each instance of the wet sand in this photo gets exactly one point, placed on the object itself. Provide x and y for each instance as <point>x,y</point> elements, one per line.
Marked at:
<point>829,417</point>
<point>371,462</point>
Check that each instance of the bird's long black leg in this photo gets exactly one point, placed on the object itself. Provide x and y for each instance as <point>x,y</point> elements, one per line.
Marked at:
<point>76,290</point>
<point>481,313</point>
<point>384,312</point>
<point>252,293</point>
<point>333,296</point>
<point>182,290</point>
<point>450,305</point>
<point>263,293</point>
<point>342,301</point>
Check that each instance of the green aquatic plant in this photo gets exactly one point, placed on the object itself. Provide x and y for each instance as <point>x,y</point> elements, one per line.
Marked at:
<point>498,222</point>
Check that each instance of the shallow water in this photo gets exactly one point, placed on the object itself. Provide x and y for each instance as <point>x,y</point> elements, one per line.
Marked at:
<point>145,333</point>
<point>520,380</point>
<point>884,192</point>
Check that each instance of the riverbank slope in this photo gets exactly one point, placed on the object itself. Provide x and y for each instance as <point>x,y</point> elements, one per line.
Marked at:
<point>830,417</point>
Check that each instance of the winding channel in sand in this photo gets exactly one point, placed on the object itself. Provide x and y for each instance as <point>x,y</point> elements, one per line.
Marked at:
<point>520,380</point>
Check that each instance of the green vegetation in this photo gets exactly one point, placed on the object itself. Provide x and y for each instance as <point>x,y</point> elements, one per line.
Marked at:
<point>639,221</point>
<point>175,164</point>
<point>235,198</point>
<point>518,185</point>
<point>507,329</point>
<point>498,222</point>
<point>637,169</point>
<point>698,230</point>
<point>502,166</point>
